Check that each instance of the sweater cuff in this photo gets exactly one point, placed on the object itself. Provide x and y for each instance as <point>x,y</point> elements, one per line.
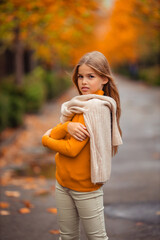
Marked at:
<point>65,126</point>
<point>44,140</point>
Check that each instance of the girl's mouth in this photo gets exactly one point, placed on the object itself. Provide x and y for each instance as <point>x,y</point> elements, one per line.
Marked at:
<point>85,88</point>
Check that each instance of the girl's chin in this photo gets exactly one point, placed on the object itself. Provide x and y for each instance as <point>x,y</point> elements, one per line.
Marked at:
<point>85,92</point>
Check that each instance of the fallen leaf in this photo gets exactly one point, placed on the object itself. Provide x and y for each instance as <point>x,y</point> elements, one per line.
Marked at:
<point>139,223</point>
<point>52,210</point>
<point>37,169</point>
<point>53,188</point>
<point>54,231</point>
<point>4,212</point>
<point>156,155</point>
<point>12,193</point>
<point>6,177</point>
<point>2,162</point>
<point>4,205</point>
<point>27,204</point>
<point>42,192</point>
<point>30,186</point>
<point>24,210</point>
<point>29,179</point>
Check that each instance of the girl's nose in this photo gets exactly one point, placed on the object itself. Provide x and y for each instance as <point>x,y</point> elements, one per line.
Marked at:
<point>84,80</point>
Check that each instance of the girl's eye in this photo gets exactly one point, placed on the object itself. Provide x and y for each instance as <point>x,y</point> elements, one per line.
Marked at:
<point>79,76</point>
<point>91,76</point>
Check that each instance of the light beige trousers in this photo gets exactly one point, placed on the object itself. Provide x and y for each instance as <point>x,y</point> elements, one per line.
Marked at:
<point>73,206</point>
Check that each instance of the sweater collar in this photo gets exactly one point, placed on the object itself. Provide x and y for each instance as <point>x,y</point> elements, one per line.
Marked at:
<point>99,92</point>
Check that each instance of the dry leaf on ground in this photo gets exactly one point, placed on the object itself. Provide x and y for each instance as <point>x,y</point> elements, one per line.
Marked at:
<point>4,212</point>
<point>4,205</point>
<point>52,210</point>
<point>12,193</point>
<point>139,223</point>
<point>42,192</point>
<point>54,231</point>
<point>24,210</point>
<point>30,186</point>
<point>27,203</point>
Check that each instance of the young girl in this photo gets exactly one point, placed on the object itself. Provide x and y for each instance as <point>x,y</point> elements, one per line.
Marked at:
<point>78,196</point>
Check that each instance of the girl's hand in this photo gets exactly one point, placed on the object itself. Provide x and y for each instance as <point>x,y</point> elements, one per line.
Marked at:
<point>48,132</point>
<point>77,130</point>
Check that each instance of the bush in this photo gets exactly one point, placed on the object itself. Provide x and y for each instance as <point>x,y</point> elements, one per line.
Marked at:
<point>4,110</point>
<point>11,111</point>
<point>37,86</point>
<point>16,111</point>
<point>52,84</point>
<point>34,96</point>
<point>151,75</point>
<point>34,91</point>
<point>148,74</point>
<point>9,87</point>
<point>66,82</point>
<point>55,84</point>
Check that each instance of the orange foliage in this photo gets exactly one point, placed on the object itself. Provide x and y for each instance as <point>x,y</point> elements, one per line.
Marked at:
<point>125,32</point>
<point>52,28</point>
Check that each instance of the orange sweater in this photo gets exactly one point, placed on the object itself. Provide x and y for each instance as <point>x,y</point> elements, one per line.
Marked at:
<point>73,168</point>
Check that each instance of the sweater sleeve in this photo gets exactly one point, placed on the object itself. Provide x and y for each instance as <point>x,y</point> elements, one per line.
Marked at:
<point>59,131</point>
<point>70,147</point>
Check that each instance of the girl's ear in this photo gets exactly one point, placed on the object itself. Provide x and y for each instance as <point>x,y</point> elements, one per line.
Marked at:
<point>105,80</point>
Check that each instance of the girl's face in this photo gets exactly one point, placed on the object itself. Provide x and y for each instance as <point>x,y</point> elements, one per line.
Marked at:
<point>89,81</point>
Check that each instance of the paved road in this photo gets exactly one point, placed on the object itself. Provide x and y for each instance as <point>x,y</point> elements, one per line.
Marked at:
<point>131,196</point>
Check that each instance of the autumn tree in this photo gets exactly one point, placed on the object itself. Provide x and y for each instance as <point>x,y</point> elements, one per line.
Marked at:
<point>51,28</point>
<point>128,31</point>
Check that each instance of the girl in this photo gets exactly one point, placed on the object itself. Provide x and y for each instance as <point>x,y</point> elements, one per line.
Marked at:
<point>78,193</point>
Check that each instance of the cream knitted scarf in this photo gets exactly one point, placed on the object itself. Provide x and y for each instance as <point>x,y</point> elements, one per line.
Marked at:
<point>99,114</point>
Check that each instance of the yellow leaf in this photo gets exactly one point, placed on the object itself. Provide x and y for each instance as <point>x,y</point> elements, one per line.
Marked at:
<point>4,212</point>
<point>12,193</point>
<point>52,210</point>
<point>4,205</point>
<point>24,210</point>
<point>27,204</point>
<point>54,231</point>
<point>42,192</point>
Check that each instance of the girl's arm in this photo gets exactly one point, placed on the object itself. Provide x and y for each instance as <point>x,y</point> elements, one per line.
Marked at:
<point>59,131</point>
<point>69,147</point>
<point>75,129</point>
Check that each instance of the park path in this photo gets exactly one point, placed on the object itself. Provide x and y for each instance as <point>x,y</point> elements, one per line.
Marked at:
<point>131,196</point>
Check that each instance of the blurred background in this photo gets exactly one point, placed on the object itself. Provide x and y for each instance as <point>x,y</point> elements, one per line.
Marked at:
<point>40,42</point>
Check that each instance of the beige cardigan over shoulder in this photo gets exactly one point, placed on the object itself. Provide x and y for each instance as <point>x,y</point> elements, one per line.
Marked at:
<point>104,134</point>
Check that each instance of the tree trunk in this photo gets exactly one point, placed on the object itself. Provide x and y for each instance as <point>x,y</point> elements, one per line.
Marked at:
<point>18,48</point>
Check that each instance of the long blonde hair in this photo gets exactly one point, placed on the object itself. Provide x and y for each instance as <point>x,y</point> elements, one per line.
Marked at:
<point>98,62</point>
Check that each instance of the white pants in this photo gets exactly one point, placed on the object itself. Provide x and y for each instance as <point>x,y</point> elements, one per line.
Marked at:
<point>73,206</point>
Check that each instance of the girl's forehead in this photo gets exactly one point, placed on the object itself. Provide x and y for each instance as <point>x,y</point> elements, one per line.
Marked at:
<point>84,68</point>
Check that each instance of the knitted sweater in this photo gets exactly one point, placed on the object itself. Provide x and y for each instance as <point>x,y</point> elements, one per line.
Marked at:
<point>73,160</point>
<point>73,166</point>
